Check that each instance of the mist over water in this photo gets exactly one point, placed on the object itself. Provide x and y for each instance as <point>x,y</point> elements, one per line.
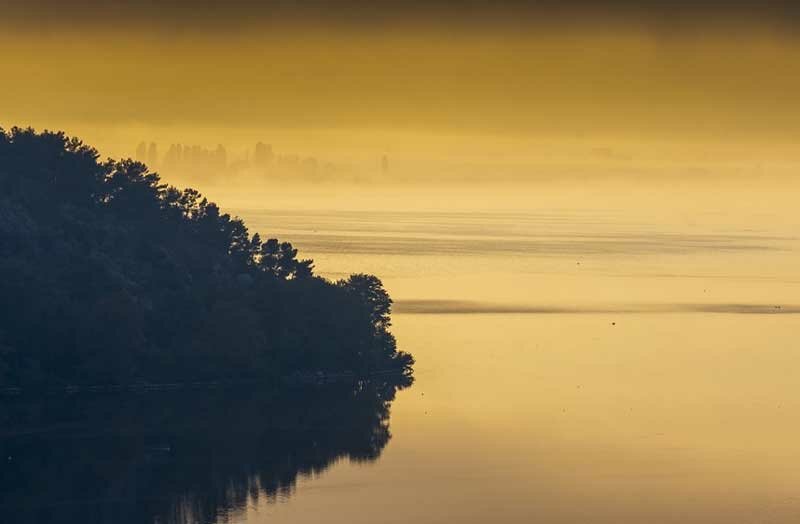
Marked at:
<point>551,246</point>
<point>611,363</point>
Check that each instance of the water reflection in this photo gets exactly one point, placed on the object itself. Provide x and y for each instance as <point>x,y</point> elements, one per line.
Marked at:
<point>179,457</point>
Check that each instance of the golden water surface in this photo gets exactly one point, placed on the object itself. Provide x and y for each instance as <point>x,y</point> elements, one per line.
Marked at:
<point>629,359</point>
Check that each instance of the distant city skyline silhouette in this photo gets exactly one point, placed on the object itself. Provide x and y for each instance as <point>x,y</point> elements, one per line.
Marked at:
<point>259,159</point>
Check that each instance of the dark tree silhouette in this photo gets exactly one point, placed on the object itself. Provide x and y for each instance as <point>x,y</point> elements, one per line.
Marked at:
<point>108,275</point>
<point>280,260</point>
<point>374,298</point>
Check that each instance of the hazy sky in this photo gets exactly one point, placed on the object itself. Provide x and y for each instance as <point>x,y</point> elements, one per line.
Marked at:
<point>399,12</point>
<point>419,75</point>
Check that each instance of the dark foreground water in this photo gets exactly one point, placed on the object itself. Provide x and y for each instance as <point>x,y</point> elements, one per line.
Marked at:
<point>192,457</point>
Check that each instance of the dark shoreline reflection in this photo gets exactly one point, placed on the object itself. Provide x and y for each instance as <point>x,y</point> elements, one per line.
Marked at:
<point>179,457</point>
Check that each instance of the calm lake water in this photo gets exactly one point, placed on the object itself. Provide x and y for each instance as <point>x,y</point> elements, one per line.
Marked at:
<point>617,365</point>
<point>573,365</point>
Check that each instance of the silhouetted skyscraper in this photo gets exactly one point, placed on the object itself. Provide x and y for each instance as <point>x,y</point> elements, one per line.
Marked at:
<point>220,158</point>
<point>141,152</point>
<point>171,158</point>
<point>263,154</point>
<point>152,155</point>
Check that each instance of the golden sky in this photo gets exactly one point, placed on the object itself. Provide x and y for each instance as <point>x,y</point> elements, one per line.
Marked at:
<point>603,73</point>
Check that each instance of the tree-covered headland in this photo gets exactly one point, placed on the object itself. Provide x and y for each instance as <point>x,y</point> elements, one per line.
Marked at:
<point>109,276</point>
